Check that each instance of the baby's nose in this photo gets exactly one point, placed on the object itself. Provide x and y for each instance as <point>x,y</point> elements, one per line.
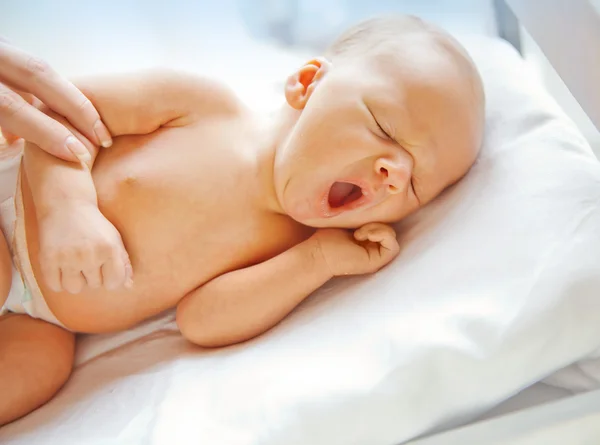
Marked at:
<point>393,175</point>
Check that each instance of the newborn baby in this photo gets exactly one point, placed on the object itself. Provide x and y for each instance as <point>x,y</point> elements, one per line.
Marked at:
<point>232,217</point>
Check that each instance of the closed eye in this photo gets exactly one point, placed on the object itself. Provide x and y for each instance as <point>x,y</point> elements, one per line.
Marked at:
<point>385,134</point>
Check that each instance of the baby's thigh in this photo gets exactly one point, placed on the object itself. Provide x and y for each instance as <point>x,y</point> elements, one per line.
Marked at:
<point>36,359</point>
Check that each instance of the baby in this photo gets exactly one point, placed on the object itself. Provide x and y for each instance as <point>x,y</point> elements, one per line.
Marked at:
<point>233,218</point>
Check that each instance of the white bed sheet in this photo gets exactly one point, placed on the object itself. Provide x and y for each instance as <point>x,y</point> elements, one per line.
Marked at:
<point>537,394</point>
<point>119,389</point>
<point>574,421</point>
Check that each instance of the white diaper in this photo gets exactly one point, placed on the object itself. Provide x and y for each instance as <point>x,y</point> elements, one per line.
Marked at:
<point>20,300</point>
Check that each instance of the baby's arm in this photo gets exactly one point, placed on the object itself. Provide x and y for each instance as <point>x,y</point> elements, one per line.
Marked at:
<point>141,102</point>
<point>79,247</point>
<point>245,303</point>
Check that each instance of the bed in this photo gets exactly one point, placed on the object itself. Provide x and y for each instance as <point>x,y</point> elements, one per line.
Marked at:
<point>407,356</point>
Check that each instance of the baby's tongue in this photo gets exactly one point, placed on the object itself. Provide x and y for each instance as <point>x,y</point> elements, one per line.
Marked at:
<point>339,192</point>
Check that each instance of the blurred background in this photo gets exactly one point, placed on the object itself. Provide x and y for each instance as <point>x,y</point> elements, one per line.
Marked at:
<point>235,39</point>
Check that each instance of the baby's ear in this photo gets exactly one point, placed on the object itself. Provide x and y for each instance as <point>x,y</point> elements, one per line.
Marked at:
<point>301,84</point>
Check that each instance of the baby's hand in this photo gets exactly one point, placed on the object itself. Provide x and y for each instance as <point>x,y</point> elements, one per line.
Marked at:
<point>79,247</point>
<point>366,251</point>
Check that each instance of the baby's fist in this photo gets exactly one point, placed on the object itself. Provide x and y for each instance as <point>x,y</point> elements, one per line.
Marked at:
<point>366,251</point>
<point>80,248</point>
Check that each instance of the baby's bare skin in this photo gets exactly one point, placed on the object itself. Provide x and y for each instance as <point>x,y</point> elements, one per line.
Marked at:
<point>193,204</point>
<point>182,200</point>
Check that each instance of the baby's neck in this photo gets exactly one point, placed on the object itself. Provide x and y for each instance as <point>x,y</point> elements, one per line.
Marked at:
<point>269,132</point>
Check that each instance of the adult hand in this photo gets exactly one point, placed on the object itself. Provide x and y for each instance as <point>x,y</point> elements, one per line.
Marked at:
<point>26,84</point>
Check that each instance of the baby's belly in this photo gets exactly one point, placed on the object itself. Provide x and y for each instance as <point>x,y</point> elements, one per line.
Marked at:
<point>162,276</point>
<point>162,231</point>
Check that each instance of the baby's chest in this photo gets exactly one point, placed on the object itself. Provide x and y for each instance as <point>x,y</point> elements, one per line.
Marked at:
<point>225,241</point>
<point>176,225</point>
<point>180,205</point>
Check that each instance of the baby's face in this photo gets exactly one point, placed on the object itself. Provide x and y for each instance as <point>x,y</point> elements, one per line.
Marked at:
<point>377,140</point>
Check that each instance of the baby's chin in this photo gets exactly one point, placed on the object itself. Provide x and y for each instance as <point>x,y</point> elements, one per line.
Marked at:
<point>342,221</point>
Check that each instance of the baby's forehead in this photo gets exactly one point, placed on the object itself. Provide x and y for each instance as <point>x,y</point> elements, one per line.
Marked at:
<point>419,59</point>
<point>401,81</point>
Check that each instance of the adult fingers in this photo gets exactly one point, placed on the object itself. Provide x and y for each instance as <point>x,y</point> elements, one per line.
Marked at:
<point>20,118</point>
<point>35,76</point>
<point>30,99</point>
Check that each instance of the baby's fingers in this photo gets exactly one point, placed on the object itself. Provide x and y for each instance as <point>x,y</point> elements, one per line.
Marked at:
<point>117,271</point>
<point>378,233</point>
<point>51,274</point>
<point>113,273</point>
<point>386,240</point>
<point>93,276</point>
<point>72,280</point>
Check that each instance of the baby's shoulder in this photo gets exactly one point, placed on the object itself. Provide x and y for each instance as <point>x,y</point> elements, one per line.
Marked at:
<point>207,95</point>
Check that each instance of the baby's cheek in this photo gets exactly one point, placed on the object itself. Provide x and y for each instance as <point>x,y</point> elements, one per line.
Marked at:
<point>396,208</point>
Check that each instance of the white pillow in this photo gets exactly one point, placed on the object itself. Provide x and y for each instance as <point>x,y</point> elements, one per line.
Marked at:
<point>496,288</point>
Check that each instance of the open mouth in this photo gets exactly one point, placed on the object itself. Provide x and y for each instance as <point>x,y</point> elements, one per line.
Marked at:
<point>342,194</point>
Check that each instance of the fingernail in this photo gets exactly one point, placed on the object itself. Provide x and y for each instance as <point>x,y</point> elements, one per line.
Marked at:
<point>102,134</point>
<point>78,149</point>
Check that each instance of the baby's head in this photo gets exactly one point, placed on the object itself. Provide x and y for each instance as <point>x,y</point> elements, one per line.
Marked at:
<point>390,117</point>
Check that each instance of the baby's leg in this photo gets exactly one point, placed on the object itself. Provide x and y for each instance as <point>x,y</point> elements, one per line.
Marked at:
<point>36,359</point>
